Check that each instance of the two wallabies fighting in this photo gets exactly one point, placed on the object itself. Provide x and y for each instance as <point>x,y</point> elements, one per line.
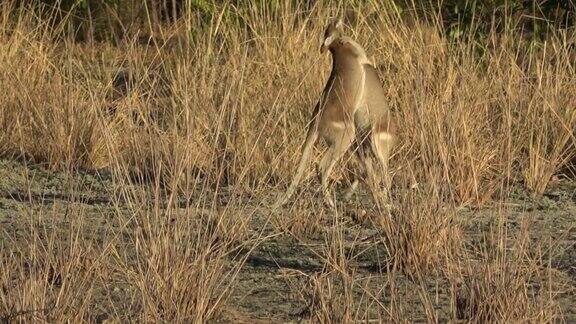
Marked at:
<point>352,113</point>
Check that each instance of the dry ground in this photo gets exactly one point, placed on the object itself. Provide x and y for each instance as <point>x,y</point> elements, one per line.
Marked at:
<point>286,270</point>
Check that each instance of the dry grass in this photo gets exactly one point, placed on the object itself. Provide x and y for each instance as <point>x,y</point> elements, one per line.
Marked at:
<point>228,112</point>
<point>505,282</point>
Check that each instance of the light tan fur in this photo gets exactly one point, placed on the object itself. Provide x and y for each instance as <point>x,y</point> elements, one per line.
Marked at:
<point>352,112</point>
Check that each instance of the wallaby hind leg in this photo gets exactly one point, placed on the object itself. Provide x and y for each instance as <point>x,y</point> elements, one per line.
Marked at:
<point>351,190</point>
<point>339,143</point>
<point>370,178</point>
<point>381,145</point>
<point>354,176</point>
<point>359,176</point>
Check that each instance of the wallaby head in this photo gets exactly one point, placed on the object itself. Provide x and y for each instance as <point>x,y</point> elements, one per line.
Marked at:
<point>333,31</point>
<point>340,45</point>
<point>347,48</point>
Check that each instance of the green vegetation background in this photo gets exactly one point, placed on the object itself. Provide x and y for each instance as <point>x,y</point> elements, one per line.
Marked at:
<point>113,20</point>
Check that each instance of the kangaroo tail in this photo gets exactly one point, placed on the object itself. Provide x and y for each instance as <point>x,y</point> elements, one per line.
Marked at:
<point>311,138</point>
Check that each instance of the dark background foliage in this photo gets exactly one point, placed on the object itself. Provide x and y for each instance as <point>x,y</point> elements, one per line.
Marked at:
<point>113,20</point>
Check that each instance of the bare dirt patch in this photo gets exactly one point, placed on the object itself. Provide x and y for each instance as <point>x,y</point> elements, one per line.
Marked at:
<point>288,274</point>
